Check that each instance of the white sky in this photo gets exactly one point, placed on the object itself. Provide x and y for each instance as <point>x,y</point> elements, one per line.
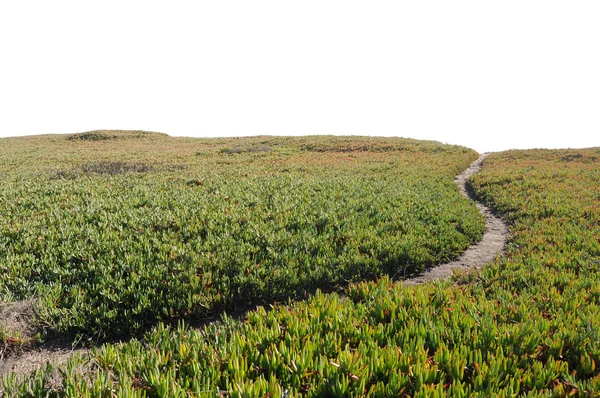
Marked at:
<point>490,75</point>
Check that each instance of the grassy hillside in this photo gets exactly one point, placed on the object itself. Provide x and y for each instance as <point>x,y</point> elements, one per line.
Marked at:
<point>110,232</point>
<point>527,324</point>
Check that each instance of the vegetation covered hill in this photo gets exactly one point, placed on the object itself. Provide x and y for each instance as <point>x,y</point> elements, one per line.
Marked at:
<point>112,232</point>
<point>527,324</point>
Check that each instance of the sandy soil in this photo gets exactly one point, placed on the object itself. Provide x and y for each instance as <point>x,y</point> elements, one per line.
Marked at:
<point>491,245</point>
<point>22,359</point>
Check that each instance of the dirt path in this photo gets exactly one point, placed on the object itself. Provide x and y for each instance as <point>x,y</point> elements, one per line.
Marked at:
<point>21,360</point>
<point>491,245</point>
<point>29,360</point>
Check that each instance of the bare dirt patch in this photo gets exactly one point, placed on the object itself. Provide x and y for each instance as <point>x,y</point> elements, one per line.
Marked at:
<point>492,244</point>
<point>24,362</point>
<point>20,352</point>
<point>15,320</point>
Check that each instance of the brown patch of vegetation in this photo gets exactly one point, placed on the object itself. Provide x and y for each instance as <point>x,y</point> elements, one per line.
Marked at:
<point>91,136</point>
<point>55,354</point>
<point>103,168</point>
<point>258,148</point>
<point>231,150</point>
<point>250,149</point>
<point>20,350</point>
<point>14,313</point>
<point>114,168</point>
<point>16,325</point>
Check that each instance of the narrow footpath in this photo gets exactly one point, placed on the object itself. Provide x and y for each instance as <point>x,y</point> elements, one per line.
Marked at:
<point>486,250</point>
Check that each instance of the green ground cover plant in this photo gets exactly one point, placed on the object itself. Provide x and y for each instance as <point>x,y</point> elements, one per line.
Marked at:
<point>112,236</point>
<point>525,325</point>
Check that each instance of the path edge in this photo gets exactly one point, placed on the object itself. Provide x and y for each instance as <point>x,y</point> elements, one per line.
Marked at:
<point>491,245</point>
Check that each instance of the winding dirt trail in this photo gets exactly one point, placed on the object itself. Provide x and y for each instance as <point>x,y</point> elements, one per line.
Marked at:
<point>491,245</point>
